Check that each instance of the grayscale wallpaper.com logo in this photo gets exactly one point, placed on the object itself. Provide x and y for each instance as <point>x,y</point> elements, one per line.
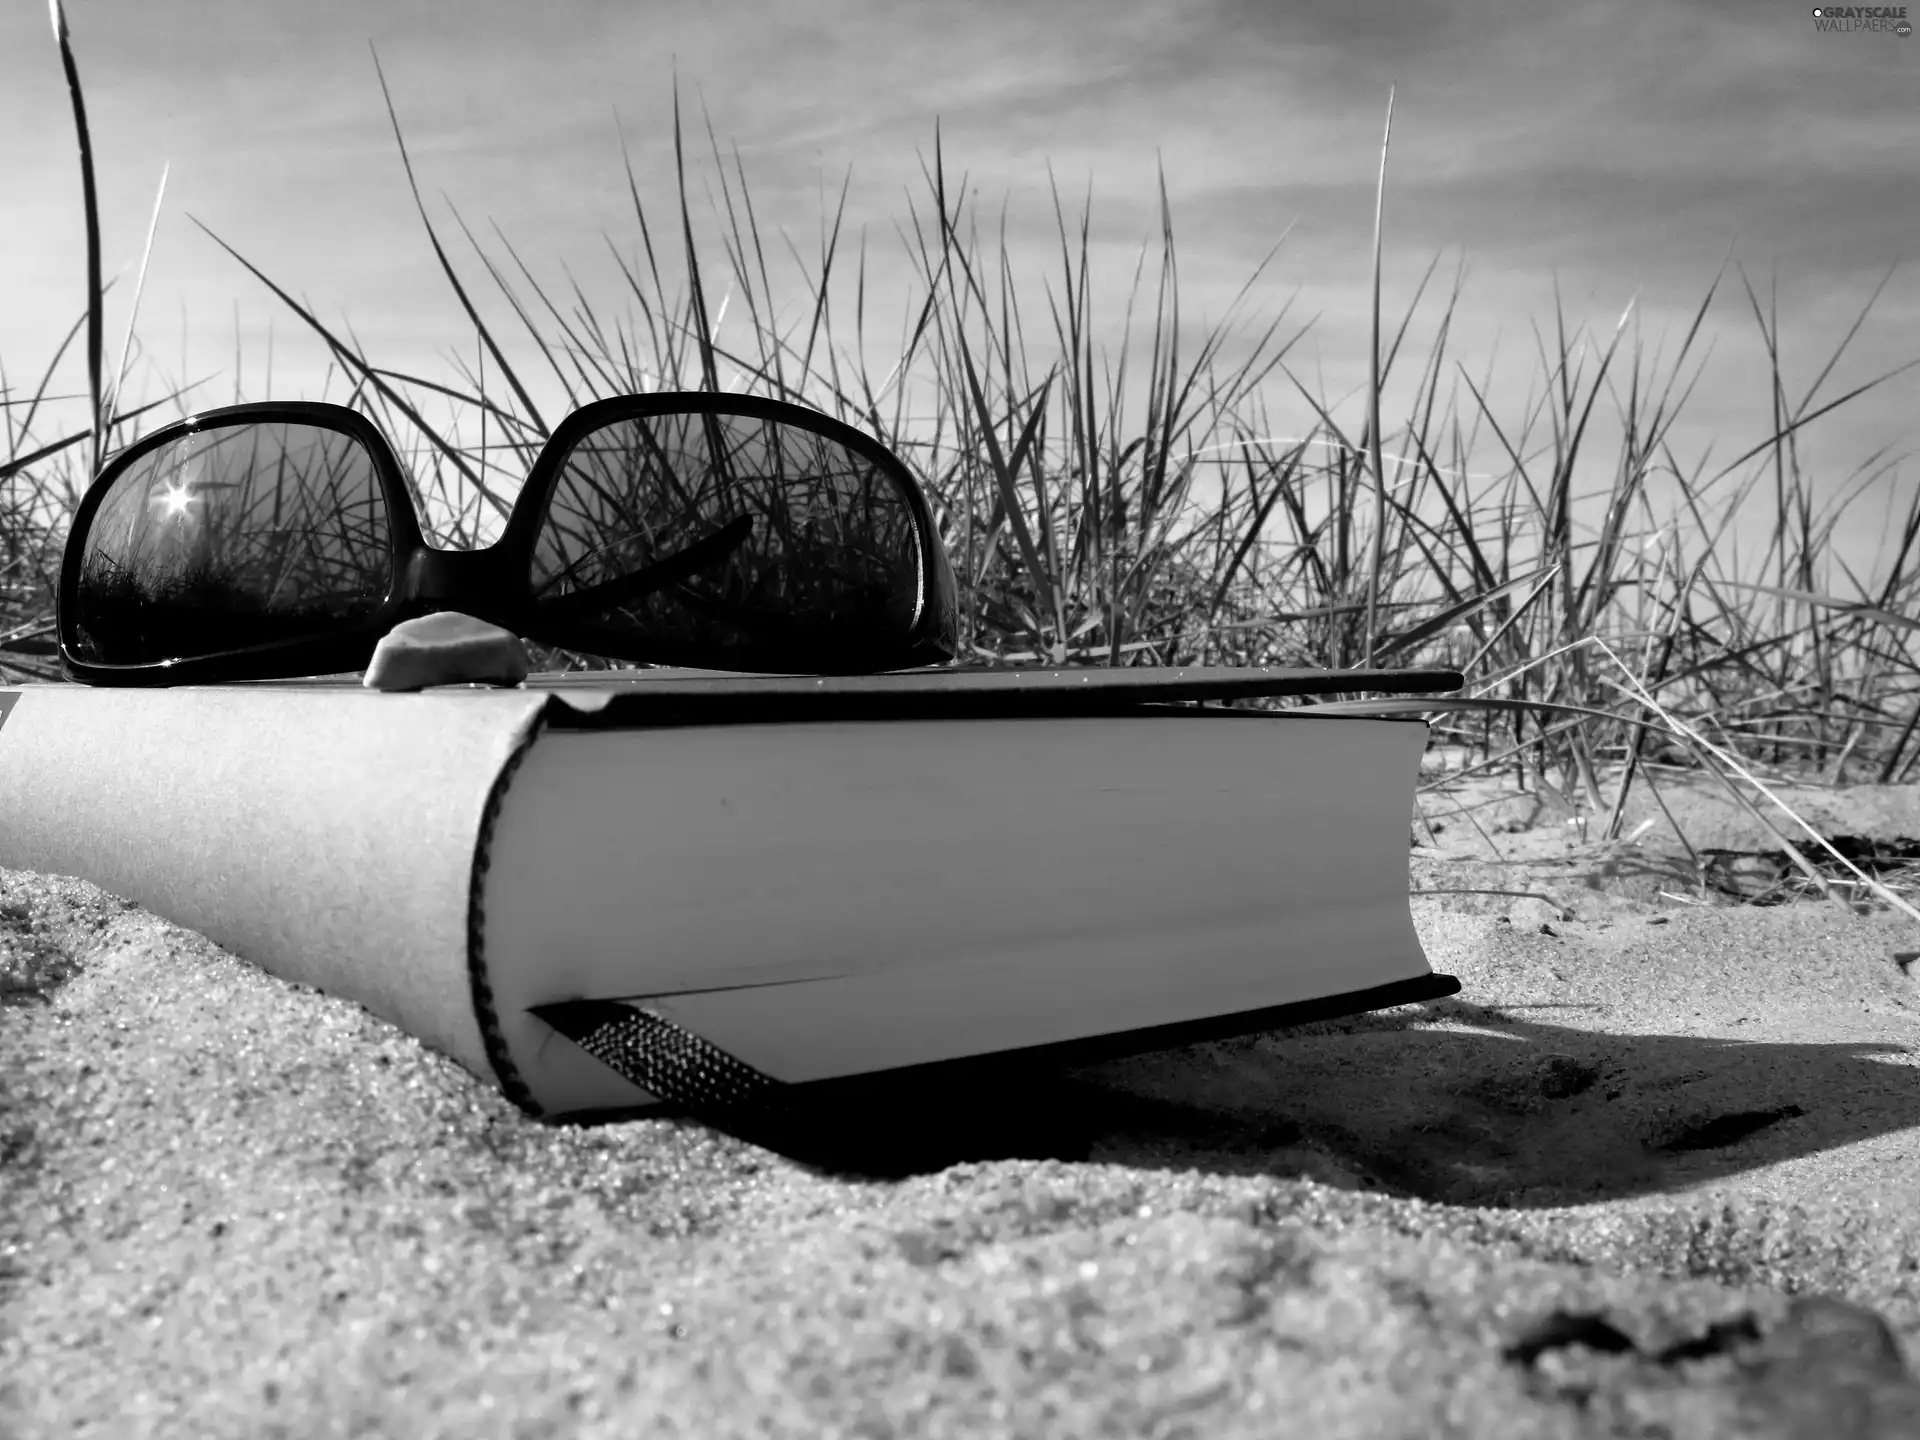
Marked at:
<point>1865,19</point>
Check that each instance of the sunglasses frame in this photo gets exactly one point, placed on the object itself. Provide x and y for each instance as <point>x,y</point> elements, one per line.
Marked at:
<point>494,583</point>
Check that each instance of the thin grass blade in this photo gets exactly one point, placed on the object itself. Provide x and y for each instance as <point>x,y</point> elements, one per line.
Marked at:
<point>96,293</point>
<point>139,288</point>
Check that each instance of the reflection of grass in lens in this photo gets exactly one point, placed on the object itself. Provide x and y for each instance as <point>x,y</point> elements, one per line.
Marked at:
<point>830,563</point>
<point>129,618</point>
<point>229,539</point>
<point>814,586</point>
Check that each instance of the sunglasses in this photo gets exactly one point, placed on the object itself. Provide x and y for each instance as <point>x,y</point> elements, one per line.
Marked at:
<point>722,532</point>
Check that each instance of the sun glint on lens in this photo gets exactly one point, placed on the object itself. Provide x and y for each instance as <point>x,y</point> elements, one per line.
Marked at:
<point>174,500</point>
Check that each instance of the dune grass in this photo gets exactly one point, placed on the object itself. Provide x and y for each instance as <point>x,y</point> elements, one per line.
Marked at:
<point>1596,661</point>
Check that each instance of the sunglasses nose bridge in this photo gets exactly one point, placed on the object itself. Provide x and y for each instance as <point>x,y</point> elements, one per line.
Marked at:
<point>475,582</point>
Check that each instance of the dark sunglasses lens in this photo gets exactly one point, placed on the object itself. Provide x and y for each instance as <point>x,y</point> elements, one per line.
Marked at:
<point>233,537</point>
<point>729,534</point>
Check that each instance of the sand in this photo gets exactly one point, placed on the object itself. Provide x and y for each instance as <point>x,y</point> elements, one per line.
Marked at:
<point>1651,1173</point>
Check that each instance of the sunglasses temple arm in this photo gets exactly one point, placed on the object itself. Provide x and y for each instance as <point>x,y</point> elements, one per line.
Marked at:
<point>691,561</point>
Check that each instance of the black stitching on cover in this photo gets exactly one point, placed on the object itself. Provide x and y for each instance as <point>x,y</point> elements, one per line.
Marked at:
<point>498,1055</point>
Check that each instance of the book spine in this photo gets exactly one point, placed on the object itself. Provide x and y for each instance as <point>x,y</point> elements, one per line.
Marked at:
<point>326,836</point>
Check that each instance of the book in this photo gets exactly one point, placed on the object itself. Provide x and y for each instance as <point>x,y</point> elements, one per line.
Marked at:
<point>794,879</point>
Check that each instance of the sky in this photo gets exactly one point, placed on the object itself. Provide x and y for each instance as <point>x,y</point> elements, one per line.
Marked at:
<point>1617,151</point>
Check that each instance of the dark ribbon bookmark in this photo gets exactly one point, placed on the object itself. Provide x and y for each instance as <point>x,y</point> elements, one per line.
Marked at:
<point>670,1061</point>
<point>883,1125</point>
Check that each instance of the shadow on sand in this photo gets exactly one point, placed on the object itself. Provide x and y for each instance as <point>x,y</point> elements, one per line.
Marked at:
<point>1518,1111</point>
